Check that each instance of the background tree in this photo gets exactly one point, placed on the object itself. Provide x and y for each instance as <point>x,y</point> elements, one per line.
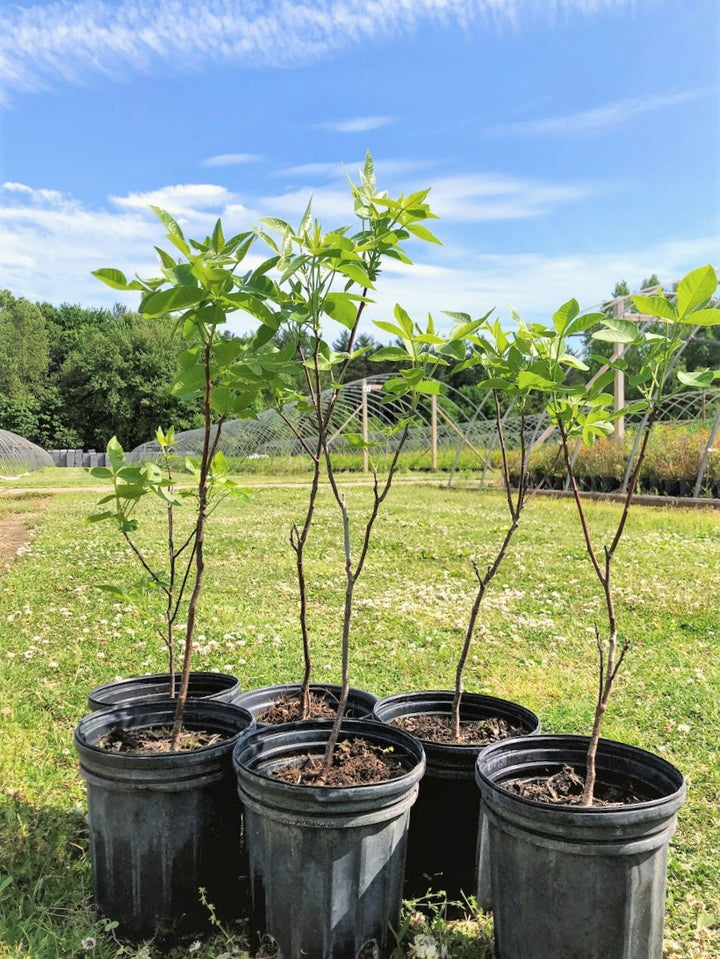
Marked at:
<point>24,360</point>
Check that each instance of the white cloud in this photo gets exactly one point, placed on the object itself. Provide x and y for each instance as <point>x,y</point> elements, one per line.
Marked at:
<point>50,243</point>
<point>188,199</point>
<point>356,124</point>
<point>231,159</point>
<point>486,197</point>
<point>339,170</point>
<point>597,120</point>
<point>43,44</point>
<point>532,283</point>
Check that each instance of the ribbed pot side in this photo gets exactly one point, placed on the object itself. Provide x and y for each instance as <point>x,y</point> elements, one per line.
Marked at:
<point>578,882</point>
<point>326,864</point>
<point>359,705</point>
<point>203,685</point>
<point>162,825</point>
<point>447,838</point>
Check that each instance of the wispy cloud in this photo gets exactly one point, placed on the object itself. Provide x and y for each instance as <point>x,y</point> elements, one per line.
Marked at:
<point>231,159</point>
<point>600,119</point>
<point>41,45</point>
<point>339,170</point>
<point>484,197</point>
<point>355,124</point>
<point>186,198</point>
<point>50,242</point>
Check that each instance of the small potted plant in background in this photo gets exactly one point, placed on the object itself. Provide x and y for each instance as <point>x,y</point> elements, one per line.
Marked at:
<point>446,836</point>
<point>579,826</point>
<point>165,588</point>
<point>164,815</point>
<point>327,801</point>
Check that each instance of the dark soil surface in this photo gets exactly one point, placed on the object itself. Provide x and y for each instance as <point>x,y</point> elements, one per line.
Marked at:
<point>357,762</point>
<point>287,709</point>
<point>157,740</point>
<point>438,729</point>
<point>565,789</point>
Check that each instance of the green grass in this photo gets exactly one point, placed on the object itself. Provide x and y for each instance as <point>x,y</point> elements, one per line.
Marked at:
<point>59,636</point>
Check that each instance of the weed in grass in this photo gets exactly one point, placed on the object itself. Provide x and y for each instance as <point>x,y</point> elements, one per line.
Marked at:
<point>427,931</point>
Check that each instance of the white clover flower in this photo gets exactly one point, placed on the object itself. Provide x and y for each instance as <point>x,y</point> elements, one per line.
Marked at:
<point>424,947</point>
<point>88,943</point>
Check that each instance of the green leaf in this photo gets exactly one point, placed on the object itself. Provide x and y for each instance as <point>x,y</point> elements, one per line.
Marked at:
<point>422,233</point>
<point>428,387</point>
<point>167,261</point>
<point>99,517</point>
<point>355,272</point>
<point>101,472</point>
<point>167,496</point>
<point>565,314</point>
<point>171,301</point>
<point>695,289</point>
<point>218,239</point>
<point>569,359</point>
<point>617,331</point>
<point>389,354</point>
<point>174,233</point>
<point>404,321</point>
<point>582,323</point>
<point>390,328</point>
<point>708,317</point>
<point>114,278</point>
<point>341,309</point>
<point>275,223</point>
<point>699,379</point>
<point>115,454</point>
<point>655,306</point>
<point>527,380</point>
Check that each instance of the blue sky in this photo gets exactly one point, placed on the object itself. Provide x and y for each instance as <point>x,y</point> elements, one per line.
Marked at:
<point>568,143</point>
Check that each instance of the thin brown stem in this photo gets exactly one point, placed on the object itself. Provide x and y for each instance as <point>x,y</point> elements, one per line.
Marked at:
<point>298,539</point>
<point>515,508</point>
<point>199,553</point>
<point>610,660</point>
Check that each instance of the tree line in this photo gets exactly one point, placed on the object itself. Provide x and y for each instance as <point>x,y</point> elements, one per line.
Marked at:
<point>72,377</point>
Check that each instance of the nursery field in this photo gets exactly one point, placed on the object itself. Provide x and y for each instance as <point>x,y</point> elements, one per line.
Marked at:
<point>60,635</point>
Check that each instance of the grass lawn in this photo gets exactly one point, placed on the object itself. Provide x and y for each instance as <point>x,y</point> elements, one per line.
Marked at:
<point>59,636</point>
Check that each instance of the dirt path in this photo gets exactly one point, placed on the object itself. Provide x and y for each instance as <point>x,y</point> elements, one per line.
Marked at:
<point>14,532</point>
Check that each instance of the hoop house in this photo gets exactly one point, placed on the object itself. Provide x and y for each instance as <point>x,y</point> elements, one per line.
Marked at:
<point>18,455</point>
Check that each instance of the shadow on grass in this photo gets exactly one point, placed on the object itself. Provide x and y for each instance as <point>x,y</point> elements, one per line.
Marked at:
<point>44,879</point>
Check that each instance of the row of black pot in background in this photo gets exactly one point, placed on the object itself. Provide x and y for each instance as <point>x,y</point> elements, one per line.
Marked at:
<point>321,871</point>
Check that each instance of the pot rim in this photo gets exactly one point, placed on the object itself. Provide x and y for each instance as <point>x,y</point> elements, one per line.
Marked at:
<point>607,748</point>
<point>443,700</point>
<point>361,728</point>
<point>102,720</point>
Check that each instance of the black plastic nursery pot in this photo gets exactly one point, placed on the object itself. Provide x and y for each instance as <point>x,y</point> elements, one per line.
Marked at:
<point>359,705</point>
<point>447,836</point>
<point>163,825</point>
<point>203,685</point>
<point>326,863</point>
<point>572,881</point>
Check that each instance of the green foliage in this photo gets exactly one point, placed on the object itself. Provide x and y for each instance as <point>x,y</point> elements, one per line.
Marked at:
<point>24,353</point>
<point>697,352</point>
<point>225,377</point>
